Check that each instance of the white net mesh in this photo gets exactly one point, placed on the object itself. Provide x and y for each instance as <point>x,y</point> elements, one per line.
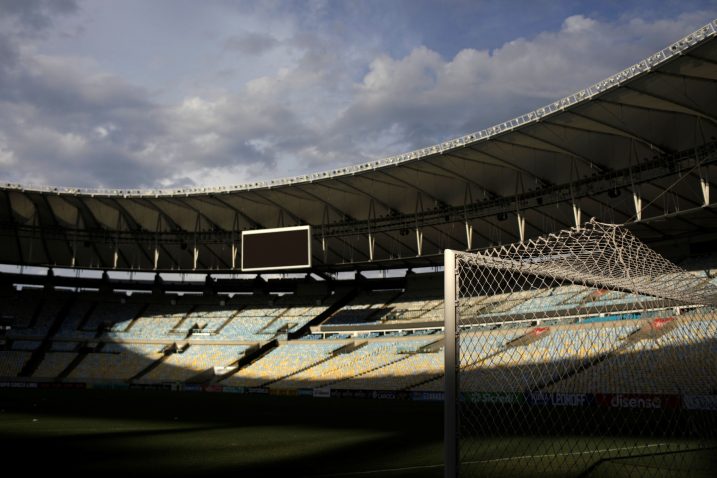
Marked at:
<point>583,353</point>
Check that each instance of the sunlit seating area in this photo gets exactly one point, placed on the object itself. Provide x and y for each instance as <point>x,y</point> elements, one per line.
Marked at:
<point>196,359</point>
<point>116,362</point>
<point>285,360</point>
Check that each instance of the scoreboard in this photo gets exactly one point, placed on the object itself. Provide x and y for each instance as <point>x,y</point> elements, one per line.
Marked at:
<point>276,249</point>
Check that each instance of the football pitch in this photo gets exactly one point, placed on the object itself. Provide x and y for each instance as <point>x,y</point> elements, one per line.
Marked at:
<point>154,433</point>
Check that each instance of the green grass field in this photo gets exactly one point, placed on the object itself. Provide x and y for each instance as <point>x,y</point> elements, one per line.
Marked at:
<point>152,433</point>
<point>171,434</point>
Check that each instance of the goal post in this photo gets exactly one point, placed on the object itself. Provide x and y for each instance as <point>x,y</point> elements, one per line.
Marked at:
<point>575,351</point>
<point>450,366</point>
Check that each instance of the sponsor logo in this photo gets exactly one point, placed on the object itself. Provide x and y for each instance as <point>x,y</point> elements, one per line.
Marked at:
<point>322,393</point>
<point>642,401</point>
<point>700,402</point>
<point>427,396</point>
<point>351,394</point>
<point>233,390</point>
<point>559,399</point>
<point>492,397</point>
<point>283,391</point>
<point>384,395</point>
<point>306,392</point>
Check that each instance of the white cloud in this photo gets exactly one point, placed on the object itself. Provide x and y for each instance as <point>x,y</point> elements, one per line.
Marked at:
<point>424,99</point>
<point>66,120</point>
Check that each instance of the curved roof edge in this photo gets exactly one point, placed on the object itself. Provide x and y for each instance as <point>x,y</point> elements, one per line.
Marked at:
<point>643,67</point>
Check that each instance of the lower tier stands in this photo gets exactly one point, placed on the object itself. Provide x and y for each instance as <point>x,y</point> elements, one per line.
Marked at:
<point>194,360</point>
<point>116,362</point>
<point>285,360</point>
<point>588,347</point>
<point>53,364</point>
<point>11,362</point>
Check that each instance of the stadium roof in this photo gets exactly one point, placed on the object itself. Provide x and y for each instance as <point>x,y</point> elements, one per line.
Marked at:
<point>638,147</point>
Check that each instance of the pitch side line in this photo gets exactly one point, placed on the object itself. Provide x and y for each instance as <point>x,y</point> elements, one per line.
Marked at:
<point>493,460</point>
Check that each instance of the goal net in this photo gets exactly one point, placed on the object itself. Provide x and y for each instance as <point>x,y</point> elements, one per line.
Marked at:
<point>582,353</point>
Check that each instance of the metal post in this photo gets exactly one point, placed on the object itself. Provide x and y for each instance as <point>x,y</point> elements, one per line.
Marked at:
<point>450,437</point>
<point>521,227</point>
<point>637,200</point>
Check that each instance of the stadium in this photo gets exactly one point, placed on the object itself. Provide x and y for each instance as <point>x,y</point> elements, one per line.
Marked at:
<point>305,326</point>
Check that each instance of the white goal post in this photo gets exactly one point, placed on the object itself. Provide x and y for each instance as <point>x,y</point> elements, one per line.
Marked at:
<point>573,350</point>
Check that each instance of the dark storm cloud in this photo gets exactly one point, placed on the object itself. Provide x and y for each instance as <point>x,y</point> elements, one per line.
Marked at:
<point>36,14</point>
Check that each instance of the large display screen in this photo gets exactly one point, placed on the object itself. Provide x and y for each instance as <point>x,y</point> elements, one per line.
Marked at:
<point>275,249</point>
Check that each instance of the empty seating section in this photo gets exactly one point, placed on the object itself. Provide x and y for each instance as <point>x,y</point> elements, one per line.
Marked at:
<point>53,364</point>
<point>59,346</point>
<point>26,344</point>
<point>111,316</point>
<point>194,360</point>
<point>117,362</point>
<point>296,317</point>
<point>590,356</point>
<point>343,366</point>
<point>366,308</point>
<point>415,306</point>
<point>206,319</point>
<point>70,327</point>
<point>493,367</point>
<point>41,324</point>
<point>155,322</point>
<point>11,362</point>
<point>18,312</point>
<point>346,366</point>
<point>547,300</point>
<point>401,372</point>
<point>286,359</point>
<point>674,363</point>
<point>249,324</point>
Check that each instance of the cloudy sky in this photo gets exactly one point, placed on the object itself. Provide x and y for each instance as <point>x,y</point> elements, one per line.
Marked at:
<point>165,93</point>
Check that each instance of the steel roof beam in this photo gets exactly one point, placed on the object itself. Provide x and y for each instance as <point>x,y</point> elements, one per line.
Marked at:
<point>384,205</point>
<point>90,220</point>
<point>620,132</point>
<point>587,161</point>
<point>690,109</point>
<point>13,223</point>
<point>132,224</point>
